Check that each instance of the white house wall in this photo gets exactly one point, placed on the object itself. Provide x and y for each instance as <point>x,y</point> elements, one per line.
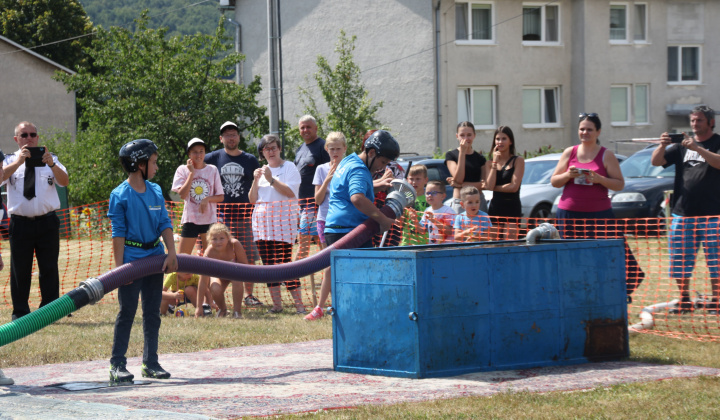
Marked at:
<point>27,92</point>
<point>394,47</point>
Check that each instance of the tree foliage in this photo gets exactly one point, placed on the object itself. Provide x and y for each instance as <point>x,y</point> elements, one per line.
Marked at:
<point>180,17</point>
<point>38,22</point>
<point>349,108</point>
<point>147,85</point>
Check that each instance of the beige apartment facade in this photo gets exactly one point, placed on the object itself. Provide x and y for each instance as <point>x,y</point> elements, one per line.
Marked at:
<point>530,65</point>
<point>534,66</point>
<point>28,93</point>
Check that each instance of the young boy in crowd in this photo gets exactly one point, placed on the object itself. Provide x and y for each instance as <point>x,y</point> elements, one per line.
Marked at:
<point>139,219</point>
<point>336,145</point>
<point>438,218</point>
<point>473,225</point>
<point>413,233</point>
<point>179,288</point>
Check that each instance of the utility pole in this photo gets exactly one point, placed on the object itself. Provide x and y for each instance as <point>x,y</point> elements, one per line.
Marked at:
<point>273,37</point>
<point>229,5</point>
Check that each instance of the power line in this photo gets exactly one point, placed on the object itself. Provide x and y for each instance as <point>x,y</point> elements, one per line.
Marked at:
<point>525,11</point>
<point>95,32</point>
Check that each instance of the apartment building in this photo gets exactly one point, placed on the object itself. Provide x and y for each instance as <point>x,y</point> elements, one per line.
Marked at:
<point>531,65</point>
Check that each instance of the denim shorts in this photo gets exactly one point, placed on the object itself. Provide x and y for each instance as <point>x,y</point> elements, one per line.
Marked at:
<point>307,221</point>
<point>686,235</point>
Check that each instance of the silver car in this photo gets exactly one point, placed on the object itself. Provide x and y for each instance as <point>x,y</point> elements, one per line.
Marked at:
<point>536,193</point>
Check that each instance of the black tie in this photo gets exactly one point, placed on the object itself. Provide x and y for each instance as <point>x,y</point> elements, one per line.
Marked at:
<point>29,187</point>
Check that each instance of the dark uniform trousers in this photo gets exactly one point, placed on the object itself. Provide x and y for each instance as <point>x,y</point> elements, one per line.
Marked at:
<point>39,236</point>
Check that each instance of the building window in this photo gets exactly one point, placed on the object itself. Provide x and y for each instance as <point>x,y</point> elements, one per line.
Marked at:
<point>541,23</point>
<point>474,22</point>
<point>541,106</point>
<point>620,105</point>
<point>642,104</point>
<point>624,98</point>
<point>477,105</point>
<point>622,24</point>
<point>684,64</point>
<point>640,23</point>
<point>618,22</point>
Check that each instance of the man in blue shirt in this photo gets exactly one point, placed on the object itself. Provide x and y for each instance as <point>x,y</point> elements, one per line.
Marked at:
<point>351,190</point>
<point>236,174</point>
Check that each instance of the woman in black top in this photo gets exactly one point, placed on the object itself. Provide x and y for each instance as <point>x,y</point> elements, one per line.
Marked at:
<point>467,167</point>
<point>505,174</point>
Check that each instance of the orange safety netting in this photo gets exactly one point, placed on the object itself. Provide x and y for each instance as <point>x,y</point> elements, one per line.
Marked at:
<point>656,257</point>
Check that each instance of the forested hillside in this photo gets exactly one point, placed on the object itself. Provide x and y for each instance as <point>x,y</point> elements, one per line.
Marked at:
<point>182,17</point>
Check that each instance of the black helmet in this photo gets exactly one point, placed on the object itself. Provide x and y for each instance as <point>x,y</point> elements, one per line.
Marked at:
<point>384,144</point>
<point>135,152</point>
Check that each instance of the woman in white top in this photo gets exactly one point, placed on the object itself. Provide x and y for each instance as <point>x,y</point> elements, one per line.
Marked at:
<point>275,218</point>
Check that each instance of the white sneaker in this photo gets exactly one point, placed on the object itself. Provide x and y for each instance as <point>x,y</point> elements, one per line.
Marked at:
<point>4,380</point>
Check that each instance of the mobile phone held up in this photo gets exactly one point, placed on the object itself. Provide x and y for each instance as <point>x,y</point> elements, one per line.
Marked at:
<point>677,138</point>
<point>582,179</point>
<point>35,159</point>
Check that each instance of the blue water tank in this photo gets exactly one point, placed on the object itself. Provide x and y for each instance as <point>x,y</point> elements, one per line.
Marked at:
<point>445,310</point>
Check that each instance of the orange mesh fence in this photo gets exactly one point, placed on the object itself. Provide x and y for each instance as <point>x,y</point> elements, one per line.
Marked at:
<point>671,273</point>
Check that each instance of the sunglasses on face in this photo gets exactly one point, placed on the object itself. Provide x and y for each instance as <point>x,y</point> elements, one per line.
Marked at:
<point>591,115</point>
<point>25,135</point>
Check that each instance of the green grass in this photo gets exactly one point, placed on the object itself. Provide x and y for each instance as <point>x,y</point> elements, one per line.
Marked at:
<point>88,336</point>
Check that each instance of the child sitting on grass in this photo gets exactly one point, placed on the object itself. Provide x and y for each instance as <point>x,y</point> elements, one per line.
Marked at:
<point>225,248</point>
<point>179,288</point>
<point>438,218</point>
<point>473,225</point>
<point>413,233</point>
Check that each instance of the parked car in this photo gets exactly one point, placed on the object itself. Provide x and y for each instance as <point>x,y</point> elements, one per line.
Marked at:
<point>437,171</point>
<point>645,187</point>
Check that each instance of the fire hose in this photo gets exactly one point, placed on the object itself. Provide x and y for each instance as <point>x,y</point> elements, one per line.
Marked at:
<point>90,291</point>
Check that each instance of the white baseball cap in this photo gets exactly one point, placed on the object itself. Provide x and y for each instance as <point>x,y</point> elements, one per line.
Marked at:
<point>195,141</point>
<point>228,124</point>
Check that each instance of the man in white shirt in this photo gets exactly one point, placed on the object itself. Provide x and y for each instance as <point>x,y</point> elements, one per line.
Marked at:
<point>30,175</point>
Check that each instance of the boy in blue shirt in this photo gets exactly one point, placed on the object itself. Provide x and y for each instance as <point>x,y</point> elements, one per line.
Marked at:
<point>351,189</point>
<point>473,225</point>
<point>139,219</point>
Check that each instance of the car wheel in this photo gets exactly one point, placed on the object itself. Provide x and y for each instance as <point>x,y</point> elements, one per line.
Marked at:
<point>655,224</point>
<point>541,211</point>
<point>539,215</point>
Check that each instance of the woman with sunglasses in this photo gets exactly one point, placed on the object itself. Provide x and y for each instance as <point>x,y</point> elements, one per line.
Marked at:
<point>588,171</point>
<point>275,218</point>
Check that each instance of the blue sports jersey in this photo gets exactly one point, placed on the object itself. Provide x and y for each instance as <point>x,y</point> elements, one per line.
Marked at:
<point>351,177</point>
<point>139,218</point>
<point>462,221</point>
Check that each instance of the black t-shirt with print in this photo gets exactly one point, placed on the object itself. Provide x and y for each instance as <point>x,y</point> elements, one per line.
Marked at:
<point>697,184</point>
